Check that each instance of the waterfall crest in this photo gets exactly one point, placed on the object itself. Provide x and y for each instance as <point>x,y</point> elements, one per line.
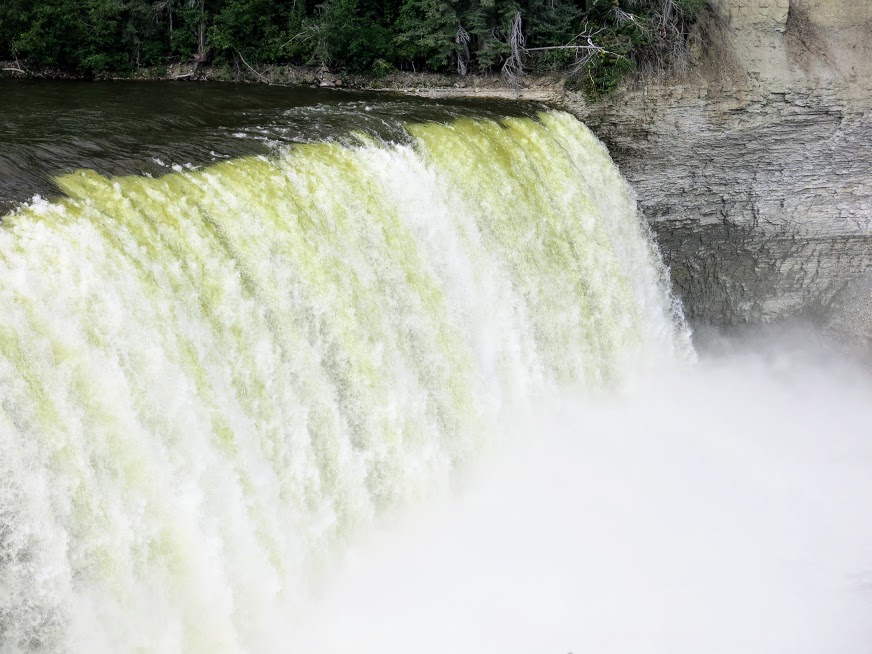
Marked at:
<point>211,378</point>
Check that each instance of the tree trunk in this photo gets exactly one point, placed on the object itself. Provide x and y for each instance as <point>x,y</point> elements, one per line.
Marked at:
<point>201,35</point>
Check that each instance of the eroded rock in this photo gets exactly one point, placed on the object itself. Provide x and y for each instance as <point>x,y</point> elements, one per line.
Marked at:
<point>757,176</point>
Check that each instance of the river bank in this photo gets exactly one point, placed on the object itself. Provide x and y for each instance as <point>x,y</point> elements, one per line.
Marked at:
<point>534,87</point>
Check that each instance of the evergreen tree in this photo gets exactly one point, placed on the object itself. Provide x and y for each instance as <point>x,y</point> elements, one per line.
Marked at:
<point>488,22</point>
<point>256,27</point>
<point>427,32</point>
<point>352,34</point>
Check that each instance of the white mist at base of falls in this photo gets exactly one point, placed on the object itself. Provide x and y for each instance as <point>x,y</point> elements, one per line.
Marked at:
<point>722,508</point>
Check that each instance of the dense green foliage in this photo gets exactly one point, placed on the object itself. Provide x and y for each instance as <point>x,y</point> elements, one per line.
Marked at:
<point>98,36</point>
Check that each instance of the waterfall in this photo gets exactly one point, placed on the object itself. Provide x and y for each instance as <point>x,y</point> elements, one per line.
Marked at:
<point>213,379</point>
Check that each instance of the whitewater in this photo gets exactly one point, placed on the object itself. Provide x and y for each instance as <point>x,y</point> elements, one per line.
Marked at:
<point>378,395</point>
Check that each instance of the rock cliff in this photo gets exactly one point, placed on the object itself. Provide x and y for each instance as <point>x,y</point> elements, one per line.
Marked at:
<point>755,168</point>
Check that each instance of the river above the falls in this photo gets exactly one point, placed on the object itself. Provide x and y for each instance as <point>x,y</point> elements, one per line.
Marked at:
<point>51,128</point>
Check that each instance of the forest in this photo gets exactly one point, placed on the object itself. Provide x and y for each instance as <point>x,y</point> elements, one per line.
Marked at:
<point>595,43</point>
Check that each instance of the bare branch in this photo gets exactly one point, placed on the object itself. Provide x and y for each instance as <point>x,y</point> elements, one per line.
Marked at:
<point>18,68</point>
<point>242,59</point>
<point>513,68</point>
<point>584,52</point>
<point>306,34</point>
<point>622,16</point>
<point>589,46</point>
<point>462,39</point>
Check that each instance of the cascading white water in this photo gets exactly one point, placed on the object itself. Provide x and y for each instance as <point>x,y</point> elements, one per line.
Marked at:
<point>212,379</point>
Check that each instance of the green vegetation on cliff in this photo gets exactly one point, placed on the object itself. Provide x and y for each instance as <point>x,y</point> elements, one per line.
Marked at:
<point>596,41</point>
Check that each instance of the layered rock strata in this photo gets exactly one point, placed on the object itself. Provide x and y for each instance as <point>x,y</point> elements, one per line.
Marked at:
<point>756,170</point>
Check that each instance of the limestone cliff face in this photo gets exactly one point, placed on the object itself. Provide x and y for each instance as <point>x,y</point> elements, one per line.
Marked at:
<point>755,171</point>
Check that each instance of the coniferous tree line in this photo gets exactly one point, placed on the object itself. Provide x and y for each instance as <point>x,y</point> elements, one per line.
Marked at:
<point>597,40</point>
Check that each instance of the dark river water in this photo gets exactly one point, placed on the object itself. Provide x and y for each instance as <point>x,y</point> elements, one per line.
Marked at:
<point>48,128</point>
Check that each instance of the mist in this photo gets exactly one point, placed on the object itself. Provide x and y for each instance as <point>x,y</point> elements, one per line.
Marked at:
<point>722,506</point>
